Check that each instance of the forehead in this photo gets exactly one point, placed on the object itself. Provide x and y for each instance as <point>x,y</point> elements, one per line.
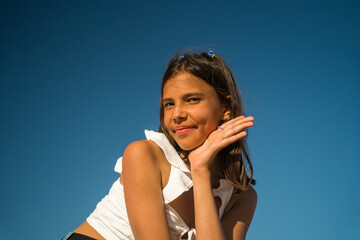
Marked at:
<point>186,82</point>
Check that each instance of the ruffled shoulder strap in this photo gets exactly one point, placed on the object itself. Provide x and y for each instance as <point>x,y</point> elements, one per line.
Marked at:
<point>170,153</point>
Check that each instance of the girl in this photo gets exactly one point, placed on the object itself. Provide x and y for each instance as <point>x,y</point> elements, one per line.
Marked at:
<point>192,178</point>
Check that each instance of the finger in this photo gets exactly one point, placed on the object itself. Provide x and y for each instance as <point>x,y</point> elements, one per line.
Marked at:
<point>241,121</point>
<point>235,129</point>
<point>237,120</point>
<point>232,120</point>
<point>236,126</point>
<point>234,138</point>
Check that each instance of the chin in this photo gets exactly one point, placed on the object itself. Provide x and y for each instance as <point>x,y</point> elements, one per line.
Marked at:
<point>188,147</point>
<point>187,143</point>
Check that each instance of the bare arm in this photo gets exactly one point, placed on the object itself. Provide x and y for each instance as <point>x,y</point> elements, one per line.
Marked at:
<point>142,190</point>
<point>207,223</point>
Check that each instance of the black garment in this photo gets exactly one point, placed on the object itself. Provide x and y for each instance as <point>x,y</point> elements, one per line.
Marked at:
<point>77,236</point>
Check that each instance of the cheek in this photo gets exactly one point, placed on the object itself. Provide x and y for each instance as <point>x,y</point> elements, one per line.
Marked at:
<point>211,117</point>
<point>167,123</point>
<point>166,120</point>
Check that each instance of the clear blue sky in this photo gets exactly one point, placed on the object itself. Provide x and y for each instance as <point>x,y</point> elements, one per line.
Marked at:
<point>80,80</point>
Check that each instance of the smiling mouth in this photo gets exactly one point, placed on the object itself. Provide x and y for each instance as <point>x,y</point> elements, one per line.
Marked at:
<point>183,130</point>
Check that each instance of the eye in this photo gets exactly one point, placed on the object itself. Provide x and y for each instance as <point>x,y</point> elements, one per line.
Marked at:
<point>167,105</point>
<point>193,100</point>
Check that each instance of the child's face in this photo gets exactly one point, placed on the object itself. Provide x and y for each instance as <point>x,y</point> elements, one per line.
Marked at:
<point>192,110</point>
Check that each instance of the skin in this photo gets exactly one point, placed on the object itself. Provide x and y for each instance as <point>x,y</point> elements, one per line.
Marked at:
<point>192,107</point>
<point>192,112</point>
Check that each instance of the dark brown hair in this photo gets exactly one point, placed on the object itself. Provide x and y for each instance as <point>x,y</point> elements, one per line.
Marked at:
<point>235,161</point>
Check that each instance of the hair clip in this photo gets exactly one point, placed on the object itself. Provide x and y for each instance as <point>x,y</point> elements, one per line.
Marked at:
<point>181,57</point>
<point>211,53</point>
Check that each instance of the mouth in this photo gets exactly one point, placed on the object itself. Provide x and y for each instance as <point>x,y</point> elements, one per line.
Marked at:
<point>181,130</point>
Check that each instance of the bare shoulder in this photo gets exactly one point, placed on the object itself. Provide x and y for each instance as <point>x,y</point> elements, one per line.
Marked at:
<point>142,152</point>
<point>248,197</point>
<point>140,149</point>
<point>245,204</point>
<point>239,213</point>
<point>138,157</point>
<point>143,156</point>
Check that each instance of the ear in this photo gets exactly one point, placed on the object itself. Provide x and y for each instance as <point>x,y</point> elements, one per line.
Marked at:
<point>226,109</point>
<point>226,115</point>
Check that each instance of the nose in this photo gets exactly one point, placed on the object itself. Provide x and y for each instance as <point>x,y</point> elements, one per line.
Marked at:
<point>179,114</point>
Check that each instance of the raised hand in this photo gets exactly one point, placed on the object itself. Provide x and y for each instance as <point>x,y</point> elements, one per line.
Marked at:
<point>202,157</point>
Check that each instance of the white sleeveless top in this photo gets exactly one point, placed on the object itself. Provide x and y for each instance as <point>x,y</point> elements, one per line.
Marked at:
<point>110,217</point>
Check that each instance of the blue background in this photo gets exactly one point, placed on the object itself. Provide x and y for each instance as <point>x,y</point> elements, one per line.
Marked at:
<point>80,80</point>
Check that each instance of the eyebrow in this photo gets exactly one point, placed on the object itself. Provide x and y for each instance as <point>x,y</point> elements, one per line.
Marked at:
<point>185,96</point>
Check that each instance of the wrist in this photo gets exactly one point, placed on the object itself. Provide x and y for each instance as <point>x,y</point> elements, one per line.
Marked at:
<point>201,172</point>
<point>200,165</point>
